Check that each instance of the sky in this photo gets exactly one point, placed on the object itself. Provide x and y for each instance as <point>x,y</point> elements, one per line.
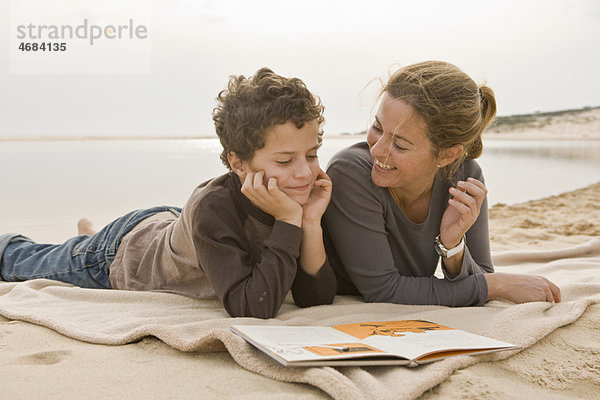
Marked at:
<point>537,55</point>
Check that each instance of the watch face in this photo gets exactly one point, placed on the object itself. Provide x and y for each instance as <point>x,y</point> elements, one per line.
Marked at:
<point>438,249</point>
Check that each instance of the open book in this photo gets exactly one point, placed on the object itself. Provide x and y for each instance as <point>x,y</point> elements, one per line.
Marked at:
<point>410,342</point>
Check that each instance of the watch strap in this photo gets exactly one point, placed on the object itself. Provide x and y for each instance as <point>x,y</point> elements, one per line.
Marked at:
<point>447,253</point>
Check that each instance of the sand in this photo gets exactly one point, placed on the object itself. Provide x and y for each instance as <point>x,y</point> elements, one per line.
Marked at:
<point>556,221</point>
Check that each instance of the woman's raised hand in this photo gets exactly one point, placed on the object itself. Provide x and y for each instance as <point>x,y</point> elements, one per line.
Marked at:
<point>462,212</point>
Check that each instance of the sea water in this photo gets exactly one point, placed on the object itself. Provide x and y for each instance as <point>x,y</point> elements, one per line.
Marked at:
<point>46,186</point>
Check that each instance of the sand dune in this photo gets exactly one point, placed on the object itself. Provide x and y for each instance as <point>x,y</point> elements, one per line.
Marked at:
<point>567,125</point>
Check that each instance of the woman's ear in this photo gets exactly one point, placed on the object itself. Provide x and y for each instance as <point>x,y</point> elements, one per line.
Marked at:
<point>447,156</point>
<point>237,165</point>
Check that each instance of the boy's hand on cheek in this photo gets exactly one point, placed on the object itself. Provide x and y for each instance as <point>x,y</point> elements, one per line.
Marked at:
<point>319,198</point>
<point>271,199</point>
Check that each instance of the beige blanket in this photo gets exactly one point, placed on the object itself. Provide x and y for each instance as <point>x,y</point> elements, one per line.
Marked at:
<point>111,317</point>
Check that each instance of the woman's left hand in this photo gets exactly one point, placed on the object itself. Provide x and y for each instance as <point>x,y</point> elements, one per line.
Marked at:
<point>463,211</point>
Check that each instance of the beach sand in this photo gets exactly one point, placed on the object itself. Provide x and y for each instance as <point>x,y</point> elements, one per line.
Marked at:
<point>37,362</point>
<point>554,222</point>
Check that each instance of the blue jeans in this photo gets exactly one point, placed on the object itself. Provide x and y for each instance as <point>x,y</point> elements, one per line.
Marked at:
<point>82,260</point>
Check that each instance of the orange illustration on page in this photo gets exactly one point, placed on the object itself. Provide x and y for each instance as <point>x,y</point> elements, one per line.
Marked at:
<point>389,328</point>
<point>342,348</point>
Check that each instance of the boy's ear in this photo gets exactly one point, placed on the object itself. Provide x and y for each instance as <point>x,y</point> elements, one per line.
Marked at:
<point>238,166</point>
<point>447,156</point>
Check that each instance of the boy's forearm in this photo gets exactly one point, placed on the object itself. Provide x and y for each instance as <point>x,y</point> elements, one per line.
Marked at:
<point>292,219</point>
<point>312,250</point>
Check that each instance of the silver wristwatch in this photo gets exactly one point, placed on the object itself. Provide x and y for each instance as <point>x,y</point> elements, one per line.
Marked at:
<point>447,253</point>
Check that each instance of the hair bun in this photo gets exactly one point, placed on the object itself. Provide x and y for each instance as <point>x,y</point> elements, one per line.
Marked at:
<point>475,148</point>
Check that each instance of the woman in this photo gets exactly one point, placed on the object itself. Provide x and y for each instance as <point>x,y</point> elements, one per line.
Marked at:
<point>413,193</point>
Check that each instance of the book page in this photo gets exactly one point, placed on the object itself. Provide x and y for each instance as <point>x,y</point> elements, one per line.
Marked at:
<point>292,335</point>
<point>294,343</point>
<point>415,345</point>
<point>415,338</point>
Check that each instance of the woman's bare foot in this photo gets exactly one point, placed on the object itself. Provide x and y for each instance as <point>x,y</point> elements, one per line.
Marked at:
<point>85,227</point>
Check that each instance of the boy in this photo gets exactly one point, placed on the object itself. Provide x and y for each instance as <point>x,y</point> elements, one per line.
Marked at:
<point>246,237</point>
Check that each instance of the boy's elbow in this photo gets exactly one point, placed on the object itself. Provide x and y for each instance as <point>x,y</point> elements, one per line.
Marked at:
<point>262,311</point>
<point>310,301</point>
<point>315,294</point>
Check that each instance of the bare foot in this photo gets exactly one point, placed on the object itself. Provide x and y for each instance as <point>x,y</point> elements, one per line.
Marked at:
<point>85,227</point>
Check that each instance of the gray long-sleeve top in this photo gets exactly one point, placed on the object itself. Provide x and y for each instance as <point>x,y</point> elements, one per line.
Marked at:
<point>378,252</point>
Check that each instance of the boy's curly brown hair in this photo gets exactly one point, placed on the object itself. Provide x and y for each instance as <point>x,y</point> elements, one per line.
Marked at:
<point>249,107</point>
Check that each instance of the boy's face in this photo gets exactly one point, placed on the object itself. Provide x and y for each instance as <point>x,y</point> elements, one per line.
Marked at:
<point>290,155</point>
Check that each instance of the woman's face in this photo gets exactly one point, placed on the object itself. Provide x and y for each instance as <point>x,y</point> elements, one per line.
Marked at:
<point>402,153</point>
